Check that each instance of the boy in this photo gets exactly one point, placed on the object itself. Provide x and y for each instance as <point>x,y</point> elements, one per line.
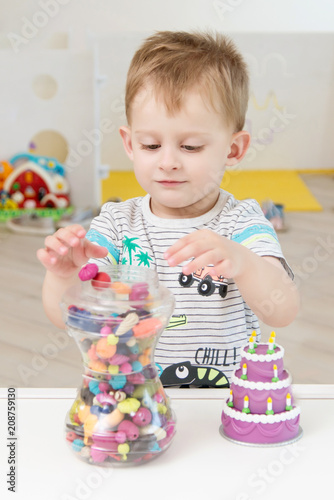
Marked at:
<point>186,99</point>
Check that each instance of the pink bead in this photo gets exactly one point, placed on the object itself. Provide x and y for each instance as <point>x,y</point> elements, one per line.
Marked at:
<point>104,398</point>
<point>88,272</point>
<point>105,331</point>
<point>71,436</point>
<point>92,353</point>
<point>170,429</point>
<point>139,291</point>
<point>136,378</point>
<point>104,386</point>
<point>120,437</point>
<point>142,417</point>
<point>125,368</point>
<point>158,398</point>
<point>130,429</point>
<point>97,455</point>
<point>118,359</point>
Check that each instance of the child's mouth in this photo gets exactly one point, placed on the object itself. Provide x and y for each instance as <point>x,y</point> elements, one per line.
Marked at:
<point>167,183</point>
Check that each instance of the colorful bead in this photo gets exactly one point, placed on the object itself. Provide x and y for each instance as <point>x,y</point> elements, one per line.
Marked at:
<point>113,369</point>
<point>125,368</point>
<point>88,272</point>
<point>120,288</point>
<point>129,321</point>
<point>77,444</point>
<point>137,366</point>
<point>104,349</point>
<point>104,386</point>
<point>105,398</point>
<point>147,326</point>
<point>118,359</point>
<point>105,331</point>
<point>97,366</point>
<point>142,417</point>
<point>130,429</point>
<point>114,418</point>
<point>94,386</point>
<point>123,449</point>
<point>118,382</point>
<point>139,292</point>
<point>129,405</point>
<point>71,436</point>
<point>92,353</point>
<point>112,339</point>
<point>101,280</point>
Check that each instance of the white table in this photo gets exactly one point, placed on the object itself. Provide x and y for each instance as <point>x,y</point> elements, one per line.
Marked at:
<point>200,464</point>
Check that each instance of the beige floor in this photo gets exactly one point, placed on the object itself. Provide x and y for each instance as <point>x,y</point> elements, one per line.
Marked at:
<point>33,353</point>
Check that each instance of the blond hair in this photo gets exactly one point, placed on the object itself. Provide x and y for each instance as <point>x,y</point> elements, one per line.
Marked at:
<point>175,62</point>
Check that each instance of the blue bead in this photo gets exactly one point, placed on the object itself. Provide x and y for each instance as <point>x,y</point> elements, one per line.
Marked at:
<point>134,349</point>
<point>106,409</point>
<point>94,386</point>
<point>118,382</point>
<point>95,410</point>
<point>137,366</point>
<point>77,444</point>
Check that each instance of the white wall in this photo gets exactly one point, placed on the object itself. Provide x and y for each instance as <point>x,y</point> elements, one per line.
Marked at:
<point>288,45</point>
<point>147,15</point>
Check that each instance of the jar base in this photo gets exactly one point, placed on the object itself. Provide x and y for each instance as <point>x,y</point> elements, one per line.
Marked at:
<point>143,450</point>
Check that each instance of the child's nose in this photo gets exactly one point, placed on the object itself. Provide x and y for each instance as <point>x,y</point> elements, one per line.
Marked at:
<point>169,159</point>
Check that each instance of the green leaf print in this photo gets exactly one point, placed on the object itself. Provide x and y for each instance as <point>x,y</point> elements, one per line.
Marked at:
<point>130,246</point>
<point>143,258</point>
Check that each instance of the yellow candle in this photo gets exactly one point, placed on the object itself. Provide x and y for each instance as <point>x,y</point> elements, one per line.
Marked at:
<point>270,410</point>
<point>288,402</point>
<point>230,401</point>
<point>246,405</point>
<point>244,372</point>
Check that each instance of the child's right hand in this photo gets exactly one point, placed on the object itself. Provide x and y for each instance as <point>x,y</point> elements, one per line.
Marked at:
<point>67,250</point>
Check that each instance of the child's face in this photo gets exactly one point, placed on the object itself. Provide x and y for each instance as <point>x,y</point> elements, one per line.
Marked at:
<point>179,159</point>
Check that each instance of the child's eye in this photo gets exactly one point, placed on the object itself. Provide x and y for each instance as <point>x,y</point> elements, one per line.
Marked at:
<point>192,148</point>
<point>150,147</point>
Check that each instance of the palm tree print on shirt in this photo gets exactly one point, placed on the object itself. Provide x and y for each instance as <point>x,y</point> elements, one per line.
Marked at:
<point>131,248</point>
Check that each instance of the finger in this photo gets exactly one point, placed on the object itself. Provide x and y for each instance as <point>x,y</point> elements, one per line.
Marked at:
<point>191,245</point>
<point>179,245</point>
<point>93,250</point>
<point>48,259</point>
<point>209,258</point>
<point>65,238</point>
<point>189,251</point>
<point>57,245</point>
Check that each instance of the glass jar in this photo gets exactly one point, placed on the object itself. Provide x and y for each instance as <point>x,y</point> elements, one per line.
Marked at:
<point>121,414</point>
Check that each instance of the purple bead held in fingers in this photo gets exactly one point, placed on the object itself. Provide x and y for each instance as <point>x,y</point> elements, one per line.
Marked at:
<point>88,272</point>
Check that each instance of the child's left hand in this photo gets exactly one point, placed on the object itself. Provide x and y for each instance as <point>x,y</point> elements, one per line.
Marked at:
<point>206,247</point>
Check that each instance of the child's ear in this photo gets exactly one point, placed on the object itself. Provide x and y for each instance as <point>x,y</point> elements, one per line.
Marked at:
<point>127,143</point>
<point>239,145</point>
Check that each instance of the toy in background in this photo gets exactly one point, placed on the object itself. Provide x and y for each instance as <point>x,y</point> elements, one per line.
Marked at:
<point>5,170</point>
<point>28,181</point>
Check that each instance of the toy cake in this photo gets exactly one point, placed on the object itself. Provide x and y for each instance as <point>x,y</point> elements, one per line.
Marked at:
<point>260,409</point>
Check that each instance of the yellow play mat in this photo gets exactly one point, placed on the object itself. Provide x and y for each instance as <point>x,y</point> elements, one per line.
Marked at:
<point>281,186</point>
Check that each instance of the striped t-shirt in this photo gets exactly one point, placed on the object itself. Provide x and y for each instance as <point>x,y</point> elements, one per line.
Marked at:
<point>211,321</point>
